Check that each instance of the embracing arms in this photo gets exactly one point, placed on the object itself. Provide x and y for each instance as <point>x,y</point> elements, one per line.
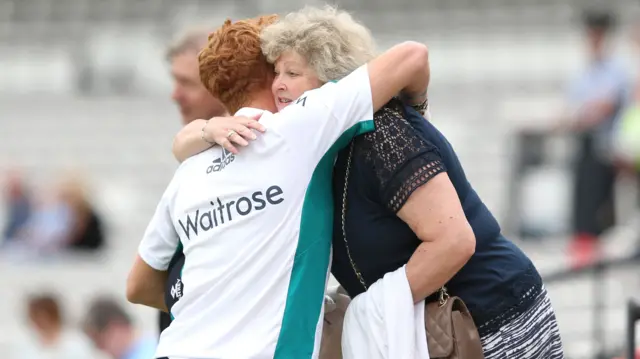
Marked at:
<point>402,69</point>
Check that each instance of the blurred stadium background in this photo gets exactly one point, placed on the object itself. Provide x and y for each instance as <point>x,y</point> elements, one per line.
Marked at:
<point>85,90</point>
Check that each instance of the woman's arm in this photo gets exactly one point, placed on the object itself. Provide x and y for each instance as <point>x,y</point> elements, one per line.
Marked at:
<point>413,183</point>
<point>434,213</point>
<point>189,142</point>
<point>200,135</point>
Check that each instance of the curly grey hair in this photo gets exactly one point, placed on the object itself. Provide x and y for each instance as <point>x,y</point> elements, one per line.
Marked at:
<point>333,43</point>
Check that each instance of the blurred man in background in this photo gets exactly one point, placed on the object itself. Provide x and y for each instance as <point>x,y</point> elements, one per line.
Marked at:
<point>194,102</point>
<point>596,98</point>
<point>113,332</point>
<point>52,338</point>
<point>628,129</point>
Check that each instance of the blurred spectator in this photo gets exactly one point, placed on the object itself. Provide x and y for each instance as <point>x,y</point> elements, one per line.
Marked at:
<point>64,219</point>
<point>112,331</point>
<point>48,227</point>
<point>597,97</point>
<point>18,204</point>
<point>189,94</point>
<point>628,131</point>
<point>636,356</point>
<point>51,339</point>
<point>86,231</point>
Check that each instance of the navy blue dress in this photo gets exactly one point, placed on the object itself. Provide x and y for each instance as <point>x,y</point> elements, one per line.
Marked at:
<point>404,152</point>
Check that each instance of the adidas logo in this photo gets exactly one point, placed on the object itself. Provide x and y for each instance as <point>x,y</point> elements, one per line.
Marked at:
<point>223,161</point>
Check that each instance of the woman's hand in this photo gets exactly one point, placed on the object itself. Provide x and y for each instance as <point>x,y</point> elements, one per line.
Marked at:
<point>227,131</point>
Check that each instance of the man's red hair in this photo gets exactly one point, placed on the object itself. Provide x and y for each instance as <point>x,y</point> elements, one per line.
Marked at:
<point>232,66</point>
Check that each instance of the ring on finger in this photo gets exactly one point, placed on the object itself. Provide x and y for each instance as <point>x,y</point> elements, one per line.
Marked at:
<point>231,133</point>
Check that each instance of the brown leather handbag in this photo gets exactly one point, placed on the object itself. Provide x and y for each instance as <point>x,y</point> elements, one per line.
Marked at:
<point>451,332</point>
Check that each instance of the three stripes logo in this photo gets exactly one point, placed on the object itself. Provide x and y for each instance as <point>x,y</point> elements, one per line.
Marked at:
<point>223,161</point>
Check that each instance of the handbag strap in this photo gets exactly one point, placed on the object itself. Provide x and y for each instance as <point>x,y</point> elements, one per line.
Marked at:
<point>344,218</point>
<point>443,295</point>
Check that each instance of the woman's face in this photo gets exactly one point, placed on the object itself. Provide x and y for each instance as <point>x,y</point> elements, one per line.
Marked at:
<point>293,76</point>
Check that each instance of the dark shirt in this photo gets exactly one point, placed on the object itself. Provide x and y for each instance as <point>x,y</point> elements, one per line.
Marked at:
<point>403,153</point>
<point>174,287</point>
<point>19,211</point>
<point>92,236</point>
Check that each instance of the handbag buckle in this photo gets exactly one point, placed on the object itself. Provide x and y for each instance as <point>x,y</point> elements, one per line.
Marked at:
<point>444,296</point>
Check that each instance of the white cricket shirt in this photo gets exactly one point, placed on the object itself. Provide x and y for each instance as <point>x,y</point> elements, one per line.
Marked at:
<point>256,231</point>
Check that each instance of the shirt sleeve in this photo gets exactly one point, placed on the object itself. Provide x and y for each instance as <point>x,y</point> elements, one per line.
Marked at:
<point>349,101</point>
<point>160,240</point>
<point>332,114</point>
<point>401,159</point>
<point>627,88</point>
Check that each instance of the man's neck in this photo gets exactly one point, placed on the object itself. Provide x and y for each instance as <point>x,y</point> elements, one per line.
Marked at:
<point>263,101</point>
<point>262,105</point>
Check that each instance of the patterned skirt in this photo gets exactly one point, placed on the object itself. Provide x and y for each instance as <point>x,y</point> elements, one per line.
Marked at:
<point>533,334</point>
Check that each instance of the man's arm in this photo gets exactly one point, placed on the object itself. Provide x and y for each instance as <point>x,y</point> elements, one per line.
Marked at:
<point>402,69</point>
<point>148,275</point>
<point>614,93</point>
<point>146,285</point>
<point>595,112</point>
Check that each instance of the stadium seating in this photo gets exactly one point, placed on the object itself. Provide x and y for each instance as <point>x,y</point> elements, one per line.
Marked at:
<point>84,84</point>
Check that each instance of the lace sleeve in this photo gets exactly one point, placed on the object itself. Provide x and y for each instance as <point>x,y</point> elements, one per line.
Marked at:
<point>401,159</point>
